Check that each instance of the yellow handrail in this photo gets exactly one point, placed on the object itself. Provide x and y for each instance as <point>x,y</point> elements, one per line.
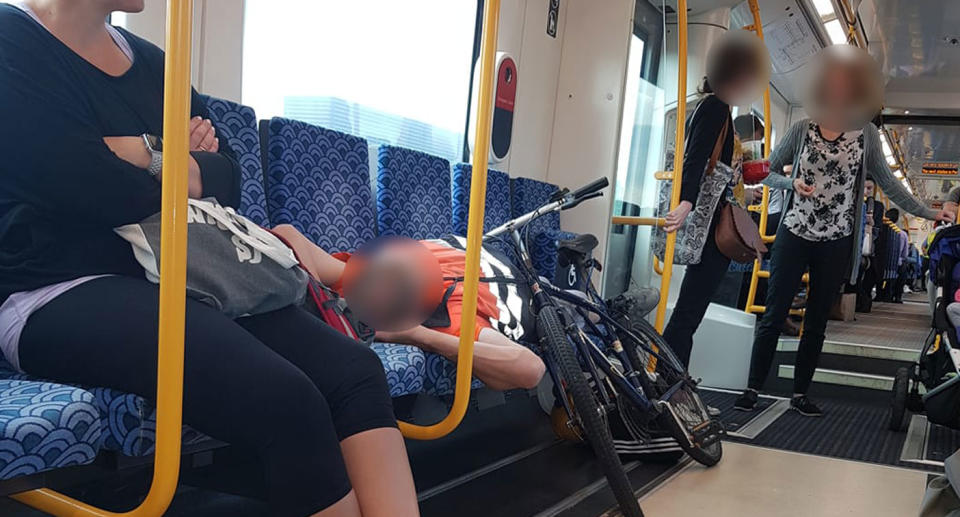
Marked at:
<point>629,220</point>
<point>173,259</point>
<point>677,159</point>
<point>478,192</point>
<point>765,201</point>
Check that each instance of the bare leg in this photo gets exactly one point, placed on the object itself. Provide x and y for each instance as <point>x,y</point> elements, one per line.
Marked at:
<point>380,474</point>
<point>346,507</point>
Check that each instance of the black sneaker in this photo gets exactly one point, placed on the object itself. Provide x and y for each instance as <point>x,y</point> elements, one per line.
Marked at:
<point>803,405</point>
<point>747,401</point>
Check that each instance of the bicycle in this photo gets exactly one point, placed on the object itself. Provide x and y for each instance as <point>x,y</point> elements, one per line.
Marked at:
<point>623,364</point>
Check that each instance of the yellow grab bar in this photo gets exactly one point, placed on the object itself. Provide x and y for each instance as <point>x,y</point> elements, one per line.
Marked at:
<point>756,274</point>
<point>173,277</point>
<point>471,275</point>
<point>628,220</point>
<point>677,160</point>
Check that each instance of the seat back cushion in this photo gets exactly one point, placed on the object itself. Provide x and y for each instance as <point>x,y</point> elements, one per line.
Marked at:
<point>318,180</point>
<point>238,125</point>
<point>527,195</point>
<point>497,207</point>
<point>413,194</point>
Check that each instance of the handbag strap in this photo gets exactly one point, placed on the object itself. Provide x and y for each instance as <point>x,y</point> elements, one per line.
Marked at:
<point>718,147</point>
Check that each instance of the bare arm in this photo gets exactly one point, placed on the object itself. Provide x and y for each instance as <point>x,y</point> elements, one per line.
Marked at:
<point>497,361</point>
<point>132,150</point>
<point>320,264</point>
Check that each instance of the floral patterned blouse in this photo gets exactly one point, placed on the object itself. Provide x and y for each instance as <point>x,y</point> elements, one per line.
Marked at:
<point>831,166</point>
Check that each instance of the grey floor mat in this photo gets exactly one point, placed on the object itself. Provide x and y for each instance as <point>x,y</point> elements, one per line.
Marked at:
<point>897,325</point>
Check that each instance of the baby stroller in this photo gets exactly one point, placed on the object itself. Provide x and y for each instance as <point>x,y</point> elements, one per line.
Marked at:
<point>938,368</point>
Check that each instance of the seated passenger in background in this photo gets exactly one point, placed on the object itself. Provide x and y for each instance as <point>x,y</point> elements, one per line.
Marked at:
<point>80,101</point>
<point>434,268</point>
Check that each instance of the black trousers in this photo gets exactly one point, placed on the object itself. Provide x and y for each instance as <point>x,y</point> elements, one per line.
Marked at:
<point>700,283</point>
<point>283,384</point>
<point>828,264</point>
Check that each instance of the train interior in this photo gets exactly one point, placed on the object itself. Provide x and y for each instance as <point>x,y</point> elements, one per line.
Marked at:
<point>383,95</point>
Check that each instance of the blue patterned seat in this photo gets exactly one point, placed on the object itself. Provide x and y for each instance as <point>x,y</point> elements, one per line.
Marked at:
<point>413,194</point>
<point>45,426</point>
<point>238,125</point>
<point>527,195</point>
<point>318,180</point>
<point>404,365</point>
<point>497,206</point>
<point>441,376</point>
<point>128,423</point>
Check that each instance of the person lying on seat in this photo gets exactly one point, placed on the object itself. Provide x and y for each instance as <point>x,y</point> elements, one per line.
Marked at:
<point>382,281</point>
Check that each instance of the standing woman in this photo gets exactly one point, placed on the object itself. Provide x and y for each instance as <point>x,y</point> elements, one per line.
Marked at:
<point>737,70</point>
<point>832,153</point>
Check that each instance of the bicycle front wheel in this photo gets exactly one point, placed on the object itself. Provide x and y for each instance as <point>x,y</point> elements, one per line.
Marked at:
<point>687,418</point>
<point>588,416</point>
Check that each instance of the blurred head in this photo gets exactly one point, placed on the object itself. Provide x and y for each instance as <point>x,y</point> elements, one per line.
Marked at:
<point>393,284</point>
<point>738,68</point>
<point>869,187</point>
<point>844,89</point>
<point>893,214</point>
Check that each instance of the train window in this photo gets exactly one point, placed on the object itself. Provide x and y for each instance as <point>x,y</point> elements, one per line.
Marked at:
<point>391,72</point>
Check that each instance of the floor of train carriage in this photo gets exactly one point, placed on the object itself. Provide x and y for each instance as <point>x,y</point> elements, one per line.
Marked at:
<point>505,461</point>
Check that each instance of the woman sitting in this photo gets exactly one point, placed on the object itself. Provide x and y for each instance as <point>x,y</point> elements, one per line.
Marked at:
<point>82,111</point>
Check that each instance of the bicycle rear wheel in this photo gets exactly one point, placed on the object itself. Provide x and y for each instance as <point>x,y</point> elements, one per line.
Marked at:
<point>687,418</point>
<point>588,415</point>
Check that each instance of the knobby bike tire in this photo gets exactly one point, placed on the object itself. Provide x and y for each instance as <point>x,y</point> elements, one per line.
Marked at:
<point>686,401</point>
<point>554,342</point>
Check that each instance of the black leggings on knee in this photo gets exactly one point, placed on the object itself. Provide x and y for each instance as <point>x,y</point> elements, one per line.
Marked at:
<point>283,383</point>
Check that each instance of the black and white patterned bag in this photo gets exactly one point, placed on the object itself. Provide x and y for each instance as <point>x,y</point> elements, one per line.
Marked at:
<point>692,236</point>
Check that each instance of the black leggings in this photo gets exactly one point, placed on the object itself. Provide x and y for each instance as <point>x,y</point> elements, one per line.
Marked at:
<point>700,283</point>
<point>283,384</point>
<point>829,266</point>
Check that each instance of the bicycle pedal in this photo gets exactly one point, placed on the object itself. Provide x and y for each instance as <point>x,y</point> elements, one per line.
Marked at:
<point>708,433</point>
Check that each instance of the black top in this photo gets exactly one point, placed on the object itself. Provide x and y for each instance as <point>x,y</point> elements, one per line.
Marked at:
<point>62,190</point>
<point>703,129</point>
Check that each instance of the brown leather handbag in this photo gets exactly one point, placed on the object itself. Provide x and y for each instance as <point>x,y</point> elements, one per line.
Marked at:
<point>736,235</point>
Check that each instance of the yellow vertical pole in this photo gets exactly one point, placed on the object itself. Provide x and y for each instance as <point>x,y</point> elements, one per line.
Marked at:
<point>173,258</point>
<point>677,159</point>
<point>478,189</point>
<point>765,202</point>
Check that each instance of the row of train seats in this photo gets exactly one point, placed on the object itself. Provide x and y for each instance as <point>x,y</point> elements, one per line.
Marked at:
<point>319,181</point>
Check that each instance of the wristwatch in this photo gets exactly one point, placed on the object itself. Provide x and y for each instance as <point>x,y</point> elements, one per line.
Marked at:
<point>155,148</point>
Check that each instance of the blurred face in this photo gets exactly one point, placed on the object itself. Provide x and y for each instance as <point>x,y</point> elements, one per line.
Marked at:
<point>868,188</point>
<point>738,67</point>
<point>844,88</point>
<point>393,285</point>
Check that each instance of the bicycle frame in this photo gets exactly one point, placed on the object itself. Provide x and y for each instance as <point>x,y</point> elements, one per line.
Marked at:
<point>629,383</point>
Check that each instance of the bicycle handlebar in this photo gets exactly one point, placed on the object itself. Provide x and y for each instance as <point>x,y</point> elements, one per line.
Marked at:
<point>559,201</point>
<point>590,188</point>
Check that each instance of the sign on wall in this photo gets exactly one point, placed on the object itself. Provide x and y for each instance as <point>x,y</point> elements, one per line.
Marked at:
<point>940,169</point>
<point>553,18</point>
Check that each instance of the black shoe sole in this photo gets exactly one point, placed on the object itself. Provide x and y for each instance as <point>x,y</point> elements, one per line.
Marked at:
<point>809,415</point>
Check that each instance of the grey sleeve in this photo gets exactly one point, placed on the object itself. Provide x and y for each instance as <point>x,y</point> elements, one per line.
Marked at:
<point>878,169</point>
<point>784,154</point>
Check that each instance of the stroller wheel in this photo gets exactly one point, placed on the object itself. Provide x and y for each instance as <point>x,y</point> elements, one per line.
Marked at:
<point>898,406</point>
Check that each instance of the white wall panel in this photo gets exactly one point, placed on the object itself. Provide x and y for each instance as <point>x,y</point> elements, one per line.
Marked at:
<point>217,42</point>
<point>586,125</point>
